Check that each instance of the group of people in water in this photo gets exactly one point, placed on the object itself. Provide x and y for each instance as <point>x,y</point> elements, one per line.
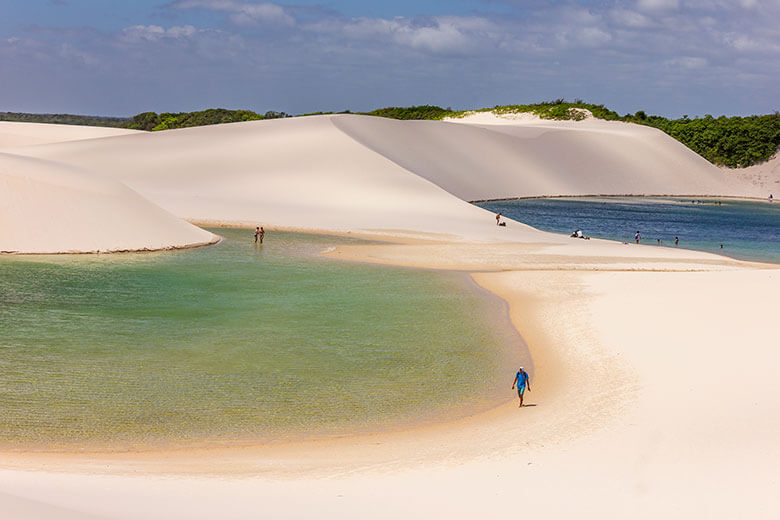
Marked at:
<point>638,237</point>
<point>259,234</point>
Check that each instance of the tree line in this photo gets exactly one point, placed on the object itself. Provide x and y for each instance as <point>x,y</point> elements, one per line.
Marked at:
<point>151,121</point>
<point>64,119</point>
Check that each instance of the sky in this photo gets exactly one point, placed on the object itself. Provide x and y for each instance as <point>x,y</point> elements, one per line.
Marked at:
<point>123,57</point>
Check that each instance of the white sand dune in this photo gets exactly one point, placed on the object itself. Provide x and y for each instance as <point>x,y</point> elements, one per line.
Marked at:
<point>367,174</point>
<point>46,207</point>
<point>14,134</point>
<point>535,157</point>
<point>303,173</point>
<point>763,177</point>
<point>654,388</point>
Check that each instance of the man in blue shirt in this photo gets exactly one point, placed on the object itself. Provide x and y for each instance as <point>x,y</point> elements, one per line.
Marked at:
<point>521,381</point>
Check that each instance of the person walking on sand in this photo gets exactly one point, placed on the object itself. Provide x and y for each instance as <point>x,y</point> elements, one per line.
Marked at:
<point>498,218</point>
<point>521,381</point>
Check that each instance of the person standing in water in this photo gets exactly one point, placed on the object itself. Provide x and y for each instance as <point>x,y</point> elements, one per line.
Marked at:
<point>521,381</point>
<point>261,234</point>
<point>676,240</point>
<point>257,233</point>
<point>637,237</point>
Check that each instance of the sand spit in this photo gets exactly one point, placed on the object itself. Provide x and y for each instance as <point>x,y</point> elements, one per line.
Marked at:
<point>46,207</point>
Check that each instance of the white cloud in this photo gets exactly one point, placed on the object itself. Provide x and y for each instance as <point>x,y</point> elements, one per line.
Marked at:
<point>73,54</point>
<point>687,62</point>
<point>445,34</point>
<point>153,33</point>
<point>658,5</point>
<point>592,36</point>
<point>628,18</point>
<point>242,13</point>
<point>747,44</point>
<point>613,45</point>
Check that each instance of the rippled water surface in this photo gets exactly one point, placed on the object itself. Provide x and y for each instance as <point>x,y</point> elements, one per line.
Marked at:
<point>238,342</point>
<point>747,230</point>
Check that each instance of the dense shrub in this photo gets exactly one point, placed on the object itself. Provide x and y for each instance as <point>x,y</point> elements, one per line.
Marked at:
<point>417,112</point>
<point>63,119</point>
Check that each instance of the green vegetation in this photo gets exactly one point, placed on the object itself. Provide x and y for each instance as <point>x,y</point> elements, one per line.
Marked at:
<point>63,119</point>
<point>735,142</point>
<point>418,112</point>
<point>559,109</point>
<point>152,121</point>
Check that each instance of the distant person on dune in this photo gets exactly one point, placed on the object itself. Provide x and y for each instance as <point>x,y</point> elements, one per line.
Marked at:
<point>521,381</point>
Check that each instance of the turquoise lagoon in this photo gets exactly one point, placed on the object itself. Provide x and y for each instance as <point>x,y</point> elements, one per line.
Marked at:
<point>748,230</point>
<point>238,343</point>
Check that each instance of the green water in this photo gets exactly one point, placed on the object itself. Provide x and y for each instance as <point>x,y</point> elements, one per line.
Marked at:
<point>238,343</point>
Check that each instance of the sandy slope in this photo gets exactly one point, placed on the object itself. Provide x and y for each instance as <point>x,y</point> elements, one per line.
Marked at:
<point>295,173</point>
<point>47,207</point>
<point>654,386</point>
<point>764,177</point>
<point>535,157</point>
<point>613,150</point>
<point>25,134</point>
<point>359,173</point>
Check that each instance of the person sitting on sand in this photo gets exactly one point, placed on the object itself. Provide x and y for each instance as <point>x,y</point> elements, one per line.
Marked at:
<point>521,381</point>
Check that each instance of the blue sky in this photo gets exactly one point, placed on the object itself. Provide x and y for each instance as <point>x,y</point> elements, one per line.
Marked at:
<point>121,57</point>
